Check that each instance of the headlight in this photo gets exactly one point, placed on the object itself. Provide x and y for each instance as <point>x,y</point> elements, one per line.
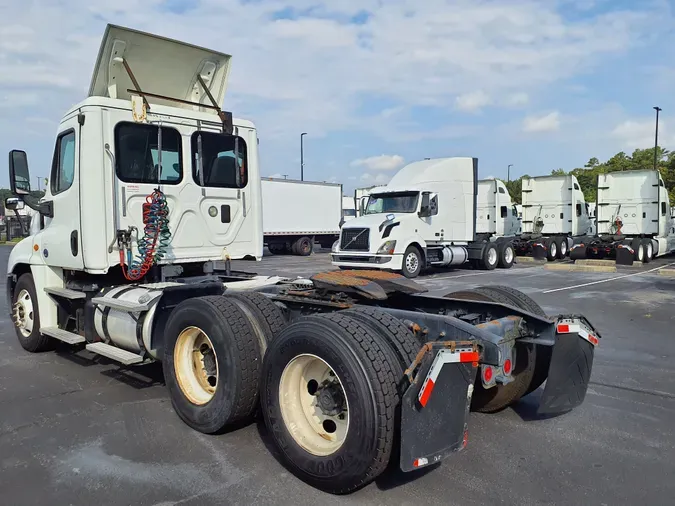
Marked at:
<point>336,246</point>
<point>387,248</point>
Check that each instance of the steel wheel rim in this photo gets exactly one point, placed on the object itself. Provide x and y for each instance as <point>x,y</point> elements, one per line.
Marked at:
<point>411,262</point>
<point>641,252</point>
<point>650,250</point>
<point>196,365</point>
<point>24,316</point>
<point>492,256</point>
<point>563,248</point>
<point>554,249</point>
<point>307,387</point>
<point>508,254</point>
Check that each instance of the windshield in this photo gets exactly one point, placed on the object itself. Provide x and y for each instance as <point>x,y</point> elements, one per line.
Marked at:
<point>403,202</point>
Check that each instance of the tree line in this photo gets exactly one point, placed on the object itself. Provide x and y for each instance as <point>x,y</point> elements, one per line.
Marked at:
<point>587,175</point>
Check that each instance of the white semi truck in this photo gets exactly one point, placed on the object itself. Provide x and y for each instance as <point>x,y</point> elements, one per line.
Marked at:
<point>361,198</point>
<point>154,189</point>
<point>298,214</point>
<point>426,216</point>
<point>633,219</point>
<point>497,214</point>
<point>555,216</point>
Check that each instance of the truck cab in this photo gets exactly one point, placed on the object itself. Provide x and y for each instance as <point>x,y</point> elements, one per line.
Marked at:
<point>497,213</point>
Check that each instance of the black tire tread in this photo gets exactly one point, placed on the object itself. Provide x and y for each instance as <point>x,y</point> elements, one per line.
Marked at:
<point>383,372</point>
<point>520,299</point>
<point>269,314</point>
<point>401,338</point>
<point>248,351</point>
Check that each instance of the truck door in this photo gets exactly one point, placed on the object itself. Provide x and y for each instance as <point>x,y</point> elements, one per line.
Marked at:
<point>60,240</point>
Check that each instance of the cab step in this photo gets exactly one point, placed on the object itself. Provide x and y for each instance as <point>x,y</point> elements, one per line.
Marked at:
<point>118,354</point>
<point>66,293</point>
<point>62,335</point>
<point>120,305</point>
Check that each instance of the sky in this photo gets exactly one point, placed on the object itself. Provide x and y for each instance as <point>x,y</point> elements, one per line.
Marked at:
<point>376,84</point>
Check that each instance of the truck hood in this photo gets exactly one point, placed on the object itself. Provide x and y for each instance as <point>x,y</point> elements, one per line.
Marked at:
<point>373,221</point>
<point>161,66</point>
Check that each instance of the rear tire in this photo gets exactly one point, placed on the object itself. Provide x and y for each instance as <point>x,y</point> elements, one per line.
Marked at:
<point>26,316</point>
<point>220,387</point>
<point>490,257</point>
<point>507,255</point>
<point>302,247</point>
<point>267,318</point>
<point>366,371</point>
<point>649,250</point>
<point>639,248</point>
<point>562,248</point>
<point>276,248</point>
<point>552,247</point>
<point>498,397</point>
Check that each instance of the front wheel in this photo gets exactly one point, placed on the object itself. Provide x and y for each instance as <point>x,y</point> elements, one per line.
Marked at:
<point>412,262</point>
<point>27,317</point>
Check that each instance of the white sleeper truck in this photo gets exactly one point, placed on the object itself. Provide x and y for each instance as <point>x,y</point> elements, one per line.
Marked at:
<point>497,215</point>
<point>426,216</point>
<point>348,208</point>
<point>633,219</point>
<point>154,189</point>
<point>555,216</point>
<point>298,214</point>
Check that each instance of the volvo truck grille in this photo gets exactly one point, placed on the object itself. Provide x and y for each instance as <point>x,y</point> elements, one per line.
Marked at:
<point>354,239</point>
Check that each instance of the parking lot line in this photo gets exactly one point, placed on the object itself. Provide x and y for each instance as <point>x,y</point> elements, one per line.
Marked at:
<point>607,280</point>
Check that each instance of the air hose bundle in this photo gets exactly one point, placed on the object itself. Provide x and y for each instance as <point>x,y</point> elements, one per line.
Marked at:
<point>155,241</point>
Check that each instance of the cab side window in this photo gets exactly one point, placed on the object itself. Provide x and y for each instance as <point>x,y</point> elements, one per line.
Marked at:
<point>433,206</point>
<point>63,164</point>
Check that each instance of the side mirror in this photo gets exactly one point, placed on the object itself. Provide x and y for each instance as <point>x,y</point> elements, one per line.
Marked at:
<point>14,204</point>
<point>19,177</point>
<point>425,211</point>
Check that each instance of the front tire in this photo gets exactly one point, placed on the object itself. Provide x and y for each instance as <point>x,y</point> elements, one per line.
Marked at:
<point>211,363</point>
<point>26,316</point>
<point>412,262</point>
<point>336,430</point>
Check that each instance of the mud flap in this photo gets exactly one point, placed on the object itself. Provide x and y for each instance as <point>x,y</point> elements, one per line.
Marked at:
<point>435,406</point>
<point>624,255</point>
<point>569,372</point>
<point>539,250</point>
<point>578,252</point>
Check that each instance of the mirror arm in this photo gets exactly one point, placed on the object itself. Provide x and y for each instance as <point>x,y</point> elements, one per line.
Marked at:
<point>44,208</point>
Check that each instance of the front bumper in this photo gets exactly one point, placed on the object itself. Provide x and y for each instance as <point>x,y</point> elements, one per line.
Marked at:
<point>367,260</point>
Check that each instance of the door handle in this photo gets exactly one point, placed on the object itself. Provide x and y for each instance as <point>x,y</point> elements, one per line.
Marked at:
<point>243,202</point>
<point>74,243</point>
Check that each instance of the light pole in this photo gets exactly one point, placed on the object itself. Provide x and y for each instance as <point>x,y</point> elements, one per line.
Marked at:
<point>656,138</point>
<point>508,172</point>
<point>302,157</point>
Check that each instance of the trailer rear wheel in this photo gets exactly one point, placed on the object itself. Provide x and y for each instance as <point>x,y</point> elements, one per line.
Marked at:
<point>499,396</point>
<point>302,247</point>
<point>26,316</point>
<point>649,251</point>
<point>490,257</point>
<point>329,400</point>
<point>506,255</point>
<point>266,317</point>
<point>211,363</point>
<point>276,248</point>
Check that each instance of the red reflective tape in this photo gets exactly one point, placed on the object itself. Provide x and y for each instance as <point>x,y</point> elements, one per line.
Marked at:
<point>563,329</point>
<point>468,356</point>
<point>424,398</point>
<point>594,340</point>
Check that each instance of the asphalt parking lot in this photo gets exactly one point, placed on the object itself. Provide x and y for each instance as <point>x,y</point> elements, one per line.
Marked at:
<point>80,431</point>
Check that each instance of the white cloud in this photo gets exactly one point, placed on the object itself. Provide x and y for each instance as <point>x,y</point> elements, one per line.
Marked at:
<point>379,179</point>
<point>517,99</point>
<point>380,162</point>
<point>472,101</point>
<point>639,133</point>
<point>546,123</point>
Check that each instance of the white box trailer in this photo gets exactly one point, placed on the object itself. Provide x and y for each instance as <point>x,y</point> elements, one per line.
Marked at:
<point>633,218</point>
<point>296,214</point>
<point>555,213</point>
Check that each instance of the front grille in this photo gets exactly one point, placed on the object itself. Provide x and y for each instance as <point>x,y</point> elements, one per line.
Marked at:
<point>354,239</point>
